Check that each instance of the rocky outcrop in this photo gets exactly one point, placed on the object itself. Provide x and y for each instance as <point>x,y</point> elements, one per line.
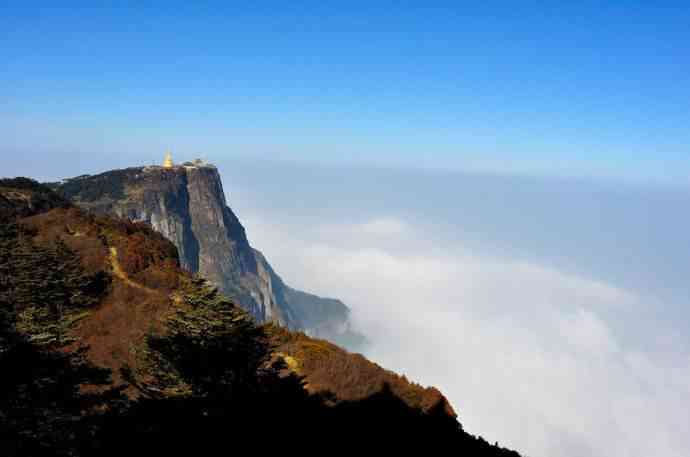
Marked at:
<point>187,205</point>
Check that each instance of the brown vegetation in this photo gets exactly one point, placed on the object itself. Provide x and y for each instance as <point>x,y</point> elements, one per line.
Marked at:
<point>135,302</point>
<point>329,368</point>
<point>103,337</point>
<point>145,275</point>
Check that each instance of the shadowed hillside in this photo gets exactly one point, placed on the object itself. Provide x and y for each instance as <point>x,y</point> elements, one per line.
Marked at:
<point>108,348</point>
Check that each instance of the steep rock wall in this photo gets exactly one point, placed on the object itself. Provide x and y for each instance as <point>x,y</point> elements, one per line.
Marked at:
<point>187,205</point>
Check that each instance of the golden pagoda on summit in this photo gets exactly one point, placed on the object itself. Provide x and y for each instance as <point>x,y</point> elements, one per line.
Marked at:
<point>168,162</point>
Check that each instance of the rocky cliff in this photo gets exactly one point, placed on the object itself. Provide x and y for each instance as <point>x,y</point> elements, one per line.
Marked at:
<point>187,205</point>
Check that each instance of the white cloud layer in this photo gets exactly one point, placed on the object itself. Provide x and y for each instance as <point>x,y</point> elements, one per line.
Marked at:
<point>523,351</point>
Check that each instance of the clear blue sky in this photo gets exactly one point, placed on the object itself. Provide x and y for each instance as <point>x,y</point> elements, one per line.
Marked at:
<point>575,88</point>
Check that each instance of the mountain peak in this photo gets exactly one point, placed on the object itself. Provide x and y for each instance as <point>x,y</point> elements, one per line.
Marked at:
<point>186,203</point>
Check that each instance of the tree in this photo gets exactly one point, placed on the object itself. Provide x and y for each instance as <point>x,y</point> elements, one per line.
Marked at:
<point>212,347</point>
<point>42,406</point>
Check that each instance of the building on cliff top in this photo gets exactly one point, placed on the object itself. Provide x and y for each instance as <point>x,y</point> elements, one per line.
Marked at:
<point>198,163</point>
<point>168,162</point>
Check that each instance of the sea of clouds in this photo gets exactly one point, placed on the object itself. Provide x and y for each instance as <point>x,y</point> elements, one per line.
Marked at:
<point>530,355</point>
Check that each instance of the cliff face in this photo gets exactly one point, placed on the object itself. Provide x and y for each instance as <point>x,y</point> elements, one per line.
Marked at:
<point>187,205</point>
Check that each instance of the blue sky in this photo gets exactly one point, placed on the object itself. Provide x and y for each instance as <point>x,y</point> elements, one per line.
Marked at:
<point>549,88</point>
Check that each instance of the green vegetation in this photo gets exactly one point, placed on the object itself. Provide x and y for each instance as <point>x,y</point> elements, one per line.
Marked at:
<point>208,343</point>
<point>43,293</point>
<point>47,288</point>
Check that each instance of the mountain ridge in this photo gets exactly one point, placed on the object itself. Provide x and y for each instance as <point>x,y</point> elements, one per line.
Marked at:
<point>187,204</point>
